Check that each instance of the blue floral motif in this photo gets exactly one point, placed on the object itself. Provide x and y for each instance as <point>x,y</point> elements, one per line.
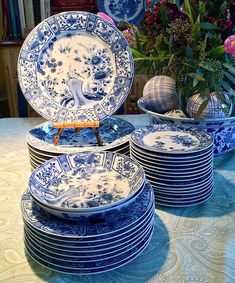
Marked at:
<point>56,87</point>
<point>184,140</point>
<point>85,180</point>
<point>131,11</point>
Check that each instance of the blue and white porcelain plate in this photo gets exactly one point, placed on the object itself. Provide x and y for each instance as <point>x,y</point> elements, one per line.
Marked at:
<point>75,66</point>
<point>166,138</point>
<point>132,11</point>
<point>113,131</point>
<point>179,163</point>
<point>113,223</point>
<point>87,257</point>
<point>86,181</point>
<point>93,243</point>
<point>93,248</point>
<point>99,266</point>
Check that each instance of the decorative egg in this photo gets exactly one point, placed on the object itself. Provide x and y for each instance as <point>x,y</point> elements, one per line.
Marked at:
<point>178,113</point>
<point>160,94</point>
<point>215,109</point>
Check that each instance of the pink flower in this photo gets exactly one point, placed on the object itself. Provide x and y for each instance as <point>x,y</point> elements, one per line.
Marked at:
<point>130,37</point>
<point>229,45</point>
<point>106,17</point>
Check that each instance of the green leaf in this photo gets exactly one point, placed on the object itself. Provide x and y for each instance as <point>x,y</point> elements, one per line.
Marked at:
<point>136,53</point>
<point>196,29</point>
<point>170,43</point>
<point>197,77</point>
<point>228,88</point>
<point>191,9</point>
<point>223,6</point>
<point>150,58</point>
<point>229,67</point>
<point>202,108</point>
<point>189,52</point>
<point>230,77</point>
<point>208,26</point>
<point>207,67</point>
<point>216,51</point>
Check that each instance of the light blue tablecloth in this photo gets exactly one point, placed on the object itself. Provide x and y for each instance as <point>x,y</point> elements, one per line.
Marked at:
<point>195,244</point>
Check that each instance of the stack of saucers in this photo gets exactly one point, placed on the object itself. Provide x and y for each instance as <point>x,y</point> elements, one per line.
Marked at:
<point>87,213</point>
<point>178,162</point>
<point>114,133</point>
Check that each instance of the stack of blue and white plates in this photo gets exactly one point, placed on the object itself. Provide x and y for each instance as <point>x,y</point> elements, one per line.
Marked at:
<point>87,213</point>
<point>178,162</point>
<point>114,133</point>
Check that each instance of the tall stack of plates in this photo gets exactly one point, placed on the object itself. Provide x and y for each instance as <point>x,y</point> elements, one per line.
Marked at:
<point>114,133</point>
<point>88,212</point>
<point>178,162</point>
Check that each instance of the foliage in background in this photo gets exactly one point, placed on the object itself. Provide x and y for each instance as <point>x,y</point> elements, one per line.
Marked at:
<point>186,43</point>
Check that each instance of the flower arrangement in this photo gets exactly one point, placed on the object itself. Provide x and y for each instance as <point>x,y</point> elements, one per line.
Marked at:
<point>192,44</point>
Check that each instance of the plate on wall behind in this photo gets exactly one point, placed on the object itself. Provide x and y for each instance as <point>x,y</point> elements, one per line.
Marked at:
<point>75,66</point>
<point>131,11</point>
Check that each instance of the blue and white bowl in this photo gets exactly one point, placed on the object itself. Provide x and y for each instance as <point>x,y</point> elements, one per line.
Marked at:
<point>79,184</point>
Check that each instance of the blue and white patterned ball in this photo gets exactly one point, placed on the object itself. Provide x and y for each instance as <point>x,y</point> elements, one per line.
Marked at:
<point>215,109</point>
<point>160,94</point>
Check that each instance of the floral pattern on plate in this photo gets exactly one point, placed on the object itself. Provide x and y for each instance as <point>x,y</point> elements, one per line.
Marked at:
<point>171,138</point>
<point>86,181</point>
<point>113,131</point>
<point>75,66</point>
<point>132,11</point>
<point>112,224</point>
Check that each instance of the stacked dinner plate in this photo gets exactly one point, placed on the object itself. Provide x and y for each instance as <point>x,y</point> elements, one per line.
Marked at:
<point>87,213</point>
<point>114,133</point>
<point>178,162</point>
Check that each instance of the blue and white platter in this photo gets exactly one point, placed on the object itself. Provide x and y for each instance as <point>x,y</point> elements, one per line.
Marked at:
<point>113,223</point>
<point>114,133</point>
<point>86,181</point>
<point>172,164</point>
<point>92,244</point>
<point>176,203</point>
<point>176,158</point>
<point>172,139</point>
<point>96,247</point>
<point>132,11</point>
<point>94,256</point>
<point>101,266</point>
<point>75,66</point>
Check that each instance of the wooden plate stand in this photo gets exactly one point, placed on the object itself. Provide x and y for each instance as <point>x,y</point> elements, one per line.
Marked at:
<point>78,126</point>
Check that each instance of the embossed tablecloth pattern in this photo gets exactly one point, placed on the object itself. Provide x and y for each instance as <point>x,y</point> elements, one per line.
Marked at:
<point>194,244</point>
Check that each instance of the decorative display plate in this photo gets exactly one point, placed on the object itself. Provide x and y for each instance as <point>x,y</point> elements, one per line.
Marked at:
<point>113,223</point>
<point>171,139</point>
<point>90,248</point>
<point>78,268</point>
<point>86,181</point>
<point>93,243</point>
<point>113,131</point>
<point>185,204</point>
<point>91,256</point>
<point>182,157</point>
<point>179,163</point>
<point>132,11</point>
<point>75,66</point>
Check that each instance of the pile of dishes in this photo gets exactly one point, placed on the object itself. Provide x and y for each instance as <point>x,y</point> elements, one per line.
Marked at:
<point>114,133</point>
<point>88,212</point>
<point>178,162</point>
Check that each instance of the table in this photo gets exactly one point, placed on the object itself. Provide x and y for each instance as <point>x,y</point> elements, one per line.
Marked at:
<point>195,244</point>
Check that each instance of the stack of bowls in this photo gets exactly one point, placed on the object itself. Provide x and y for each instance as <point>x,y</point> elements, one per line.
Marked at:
<point>178,162</point>
<point>114,133</point>
<point>87,213</point>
